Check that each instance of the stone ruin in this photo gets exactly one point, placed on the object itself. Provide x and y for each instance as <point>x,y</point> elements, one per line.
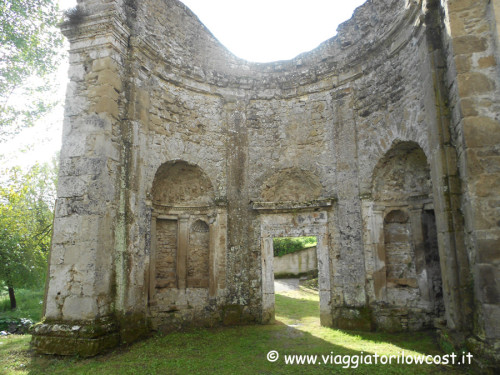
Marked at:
<point>181,162</point>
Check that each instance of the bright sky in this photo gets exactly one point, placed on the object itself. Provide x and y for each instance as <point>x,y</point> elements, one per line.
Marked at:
<point>270,30</point>
<point>256,30</point>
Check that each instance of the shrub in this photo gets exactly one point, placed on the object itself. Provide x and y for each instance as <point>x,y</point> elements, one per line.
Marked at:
<point>288,245</point>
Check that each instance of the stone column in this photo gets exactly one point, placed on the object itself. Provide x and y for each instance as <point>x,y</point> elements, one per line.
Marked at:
<point>350,263</point>
<point>152,260</point>
<point>473,58</point>
<point>182,249</point>
<point>212,257</point>
<point>325,293</point>
<point>419,250</point>
<point>80,298</point>
<point>445,177</point>
<point>267,280</point>
<point>221,248</point>
<point>380,273</point>
<point>373,237</point>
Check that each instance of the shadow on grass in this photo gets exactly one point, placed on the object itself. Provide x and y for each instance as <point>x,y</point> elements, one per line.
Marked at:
<point>229,350</point>
<point>237,350</point>
<point>422,341</point>
<point>299,309</point>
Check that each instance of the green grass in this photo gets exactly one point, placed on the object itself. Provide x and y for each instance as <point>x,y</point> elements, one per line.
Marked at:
<point>29,305</point>
<point>237,350</point>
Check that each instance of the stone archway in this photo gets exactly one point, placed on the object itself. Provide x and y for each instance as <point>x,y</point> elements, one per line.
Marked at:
<point>187,247</point>
<point>403,268</point>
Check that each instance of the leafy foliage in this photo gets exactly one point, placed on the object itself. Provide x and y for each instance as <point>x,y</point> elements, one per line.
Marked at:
<point>30,48</point>
<point>288,245</point>
<point>26,204</point>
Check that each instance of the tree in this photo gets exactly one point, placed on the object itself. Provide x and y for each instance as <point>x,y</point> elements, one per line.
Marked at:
<point>26,205</point>
<point>30,49</point>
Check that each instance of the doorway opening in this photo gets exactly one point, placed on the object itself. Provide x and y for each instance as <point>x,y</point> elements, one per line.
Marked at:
<point>296,289</point>
<point>304,223</point>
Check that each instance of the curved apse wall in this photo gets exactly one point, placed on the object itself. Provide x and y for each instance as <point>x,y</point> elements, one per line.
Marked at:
<point>371,77</point>
<point>333,112</point>
<point>150,86</point>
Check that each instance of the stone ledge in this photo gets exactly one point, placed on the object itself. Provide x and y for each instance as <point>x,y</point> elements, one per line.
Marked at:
<point>85,339</point>
<point>84,347</point>
<point>292,206</point>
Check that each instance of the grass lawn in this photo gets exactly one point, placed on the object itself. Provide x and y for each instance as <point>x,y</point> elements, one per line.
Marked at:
<point>29,306</point>
<point>238,350</point>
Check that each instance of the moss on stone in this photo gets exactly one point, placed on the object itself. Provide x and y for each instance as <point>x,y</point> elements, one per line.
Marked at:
<point>83,338</point>
<point>232,314</point>
<point>358,319</point>
<point>133,327</point>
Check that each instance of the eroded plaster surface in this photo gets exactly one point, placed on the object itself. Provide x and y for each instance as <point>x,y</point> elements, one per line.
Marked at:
<point>181,161</point>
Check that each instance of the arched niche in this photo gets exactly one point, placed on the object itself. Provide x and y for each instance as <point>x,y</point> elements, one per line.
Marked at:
<point>401,174</point>
<point>181,184</point>
<point>291,185</point>
<point>401,243</point>
<point>188,244</point>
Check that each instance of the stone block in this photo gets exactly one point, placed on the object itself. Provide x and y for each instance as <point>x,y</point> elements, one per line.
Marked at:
<point>78,105</point>
<point>461,5</point>
<point>474,163</point>
<point>80,255</point>
<point>463,63</point>
<point>480,217</point>
<point>388,323</point>
<point>469,107</point>
<point>73,146</point>
<point>105,63</point>
<point>488,283</point>
<point>487,185</point>
<point>487,62</point>
<point>75,228</point>
<point>456,24</point>
<point>481,131</point>
<point>111,78</point>
<point>470,84</point>
<point>488,251</point>
<point>103,91</point>
<point>84,339</point>
<point>106,105</point>
<point>79,308</point>
<point>491,318</point>
<point>469,44</point>
<point>76,73</point>
<point>353,318</point>
<point>72,186</point>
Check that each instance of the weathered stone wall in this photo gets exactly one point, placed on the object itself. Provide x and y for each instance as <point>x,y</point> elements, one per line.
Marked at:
<point>296,264</point>
<point>164,124</point>
<point>471,41</point>
<point>198,255</point>
<point>166,256</point>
